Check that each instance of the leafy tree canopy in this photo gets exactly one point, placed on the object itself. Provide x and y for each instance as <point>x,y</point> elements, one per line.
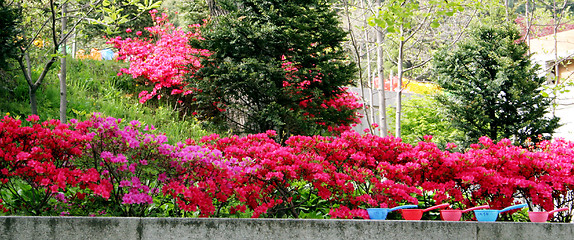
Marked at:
<point>422,115</point>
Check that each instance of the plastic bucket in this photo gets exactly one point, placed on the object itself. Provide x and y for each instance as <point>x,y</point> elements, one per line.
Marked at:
<point>417,214</point>
<point>538,216</point>
<point>381,213</point>
<point>412,214</point>
<point>486,215</point>
<point>378,213</point>
<point>543,216</point>
<point>456,214</point>
<point>491,215</point>
<point>451,215</point>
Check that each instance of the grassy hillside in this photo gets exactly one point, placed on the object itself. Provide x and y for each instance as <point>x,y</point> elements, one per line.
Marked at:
<point>93,86</point>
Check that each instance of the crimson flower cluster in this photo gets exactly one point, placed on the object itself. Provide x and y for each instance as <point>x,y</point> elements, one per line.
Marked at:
<point>38,158</point>
<point>163,58</point>
<point>298,86</point>
<point>106,166</point>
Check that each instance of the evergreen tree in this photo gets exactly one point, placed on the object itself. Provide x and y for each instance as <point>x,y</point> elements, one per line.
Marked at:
<point>491,87</point>
<point>9,19</point>
<point>276,65</point>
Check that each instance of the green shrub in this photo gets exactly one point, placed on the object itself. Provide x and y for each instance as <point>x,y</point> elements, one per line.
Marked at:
<point>422,115</point>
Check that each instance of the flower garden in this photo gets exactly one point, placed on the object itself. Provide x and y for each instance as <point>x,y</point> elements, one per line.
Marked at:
<point>111,167</point>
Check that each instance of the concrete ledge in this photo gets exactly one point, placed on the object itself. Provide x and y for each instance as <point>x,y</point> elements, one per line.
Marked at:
<point>84,228</point>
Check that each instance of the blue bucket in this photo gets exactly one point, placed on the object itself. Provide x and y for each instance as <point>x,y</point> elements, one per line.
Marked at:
<point>381,213</point>
<point>490,215</point>
<point>378,213</point>
<point>486,215</point>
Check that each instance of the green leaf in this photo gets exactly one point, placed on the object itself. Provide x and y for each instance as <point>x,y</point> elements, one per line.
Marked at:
<point>107,19</point>
<point>373,21</point>
<point>155,5</point>
<point>122,20</point>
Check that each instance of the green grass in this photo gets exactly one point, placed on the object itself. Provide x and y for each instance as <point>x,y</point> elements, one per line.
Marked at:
<point>93,86</point>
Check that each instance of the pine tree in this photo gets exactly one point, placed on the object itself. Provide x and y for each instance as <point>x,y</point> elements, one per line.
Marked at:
<point>9,43</point>
<point>276,65</point>
<point>491,87</point>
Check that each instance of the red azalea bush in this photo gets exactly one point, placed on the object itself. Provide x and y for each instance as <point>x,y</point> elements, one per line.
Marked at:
<point>203,182</point>
<point>131,162</point>
<point>281,180</point>
<point>299,86</point>
<point>36,165</point>
<point>356,173</point>
<point>146,175</point>
<point>105,166</point>
<point>265,172</point>
<point>496,174</point>
<point>163,58</point>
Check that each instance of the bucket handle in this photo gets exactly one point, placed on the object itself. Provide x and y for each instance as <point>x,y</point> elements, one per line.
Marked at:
<point>558,210</point>
<point>402,207</point>
<point>476,208</point>
<point>437,206</point>
<point>513,207</point>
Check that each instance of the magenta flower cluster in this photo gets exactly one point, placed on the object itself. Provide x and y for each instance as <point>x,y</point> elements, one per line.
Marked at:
<point>106,165</point>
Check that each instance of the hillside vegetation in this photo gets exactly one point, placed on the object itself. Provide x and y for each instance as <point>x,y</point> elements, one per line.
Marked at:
<point>94,86</point>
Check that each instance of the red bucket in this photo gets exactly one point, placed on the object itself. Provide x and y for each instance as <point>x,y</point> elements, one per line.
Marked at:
<point>417,214</point>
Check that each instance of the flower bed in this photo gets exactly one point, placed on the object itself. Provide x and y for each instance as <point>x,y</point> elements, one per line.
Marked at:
<point>108,167</point>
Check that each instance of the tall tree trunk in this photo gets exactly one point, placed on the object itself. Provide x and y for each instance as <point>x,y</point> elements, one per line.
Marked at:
<point>368,55</point>
<point>62,75</point>
<point>558,14</point>
<point>528,24</point>
<point>74,45</point>
<point>357,50</point>
<point>380,74</point>
<point>214,9</point>
<point>27,69</point>
<point>33,101</point>
<point>32,88</point>
<point>399,85</point>
<point>555,34</point>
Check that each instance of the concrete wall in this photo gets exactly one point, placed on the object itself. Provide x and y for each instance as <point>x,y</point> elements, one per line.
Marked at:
<point>85,228</point>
